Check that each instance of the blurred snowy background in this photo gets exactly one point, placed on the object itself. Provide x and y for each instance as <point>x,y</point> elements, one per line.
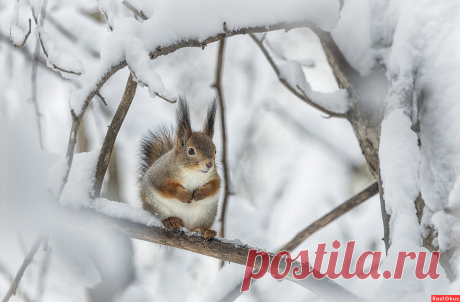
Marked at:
<point>289,164</point>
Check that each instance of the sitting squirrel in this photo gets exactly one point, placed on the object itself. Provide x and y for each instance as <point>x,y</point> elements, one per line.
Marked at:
<point>179,182</point>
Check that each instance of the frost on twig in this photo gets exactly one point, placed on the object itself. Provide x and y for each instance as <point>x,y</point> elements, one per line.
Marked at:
<point>104,7</point>
<point>17,36</point>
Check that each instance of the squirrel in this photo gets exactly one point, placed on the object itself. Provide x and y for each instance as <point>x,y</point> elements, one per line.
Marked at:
<point>178,178</point>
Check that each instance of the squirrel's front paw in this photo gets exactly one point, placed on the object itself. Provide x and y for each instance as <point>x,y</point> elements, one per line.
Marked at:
<point>173,223</point>
<point>208,234</point>
<point>198,194</point>
<point>185,196</point>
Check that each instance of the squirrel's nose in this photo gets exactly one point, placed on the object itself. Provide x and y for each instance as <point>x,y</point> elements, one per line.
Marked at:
<point>209,165</point>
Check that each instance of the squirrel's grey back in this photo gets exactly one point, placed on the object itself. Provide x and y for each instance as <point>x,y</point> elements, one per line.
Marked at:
<point>154,145</point>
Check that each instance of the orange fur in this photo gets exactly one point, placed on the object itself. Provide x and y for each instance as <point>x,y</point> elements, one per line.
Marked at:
<point>173,189</point>
<point>207,190</point>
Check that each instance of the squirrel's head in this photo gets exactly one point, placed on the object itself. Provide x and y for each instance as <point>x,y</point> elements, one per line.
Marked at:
<point>195,150</point>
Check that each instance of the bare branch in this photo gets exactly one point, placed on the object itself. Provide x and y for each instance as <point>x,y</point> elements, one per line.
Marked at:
<point>345,207</point>
<point>112,132</point>
<point>303,96</point>
<point>25,38</point>
<point>101,98</point>
<point>34,79</point>
<point>9,278</point>
<point>138,13</point>
<point>76,120</point>
<point>220,96</point>
<point>43,273</point>
<point>22,269</point>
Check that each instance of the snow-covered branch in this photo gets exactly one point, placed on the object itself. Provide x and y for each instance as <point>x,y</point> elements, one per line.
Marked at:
<point>230,251</point>
<point>290,74</point>
<point>17,36</point>
<point>66,64</point>
<point>137,12</point>
<point>80,99</point>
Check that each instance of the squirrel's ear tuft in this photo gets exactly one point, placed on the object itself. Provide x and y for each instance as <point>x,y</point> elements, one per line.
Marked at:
<point>208,128</point>
<point>184,129</point>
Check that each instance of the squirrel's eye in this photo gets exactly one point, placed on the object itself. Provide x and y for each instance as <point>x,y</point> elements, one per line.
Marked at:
<point>191,151</point>
<point>215,151</point>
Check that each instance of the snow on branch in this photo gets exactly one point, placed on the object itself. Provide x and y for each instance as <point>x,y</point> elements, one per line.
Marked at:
<point>290,74</point>
<point>17,36</point>
<point>67,65</point>
<point>104,7</point>
<point>226,250</point>
<point>115,58</point>
<point>136,11</point>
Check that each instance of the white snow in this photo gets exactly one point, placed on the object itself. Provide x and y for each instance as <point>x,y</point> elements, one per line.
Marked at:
<point>170,24</point>
<point>106,10</point>
<point>79,187</point>
<point>17,35</point>
<point>353,35</point>
<point>292,72</point>
<point>399,167</point>
<point>75,259</point>
<point>448,228</point>
<point>36,7</point>
<point>67,65</point>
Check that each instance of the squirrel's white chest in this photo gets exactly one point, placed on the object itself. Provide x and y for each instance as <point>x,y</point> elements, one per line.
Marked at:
<point>193,180</point>
<point>195,214</point>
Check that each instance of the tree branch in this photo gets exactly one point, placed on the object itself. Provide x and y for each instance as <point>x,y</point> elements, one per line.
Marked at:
<point>22,269</point>
<point>138,13</point>
<point>217,248</point>
<point>302,96</point>
<point>37,26</point>
<point>112,132</point>
<point>76,120</point>
<point>25,38</point>
<point>9,278</point>
<point>34,80</point>
<point>220,96</point>
<point>345,207</point>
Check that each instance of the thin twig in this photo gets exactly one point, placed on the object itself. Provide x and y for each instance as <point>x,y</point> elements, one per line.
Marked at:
<point>10,279</point>
<point>112,132</point>
<point>220,96</point>
<point>101,98</point>
<point>303,97</point>
<point>25,264</point>
<point>345,207</point>
<point>162,97</point>
<point>44,49</point>
<point>42,275</point>
<point>25,38</point>
<point>34,79</point>
<point>138,13</point>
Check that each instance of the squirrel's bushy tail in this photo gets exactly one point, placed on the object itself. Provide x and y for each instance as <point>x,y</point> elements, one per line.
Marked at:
<point>154,145</point>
